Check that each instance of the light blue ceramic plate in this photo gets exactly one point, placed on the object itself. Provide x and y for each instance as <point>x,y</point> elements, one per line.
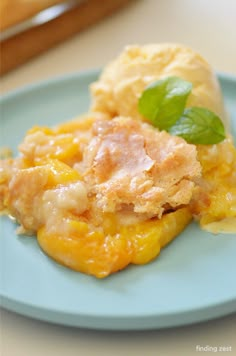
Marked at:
<point>193,279</point>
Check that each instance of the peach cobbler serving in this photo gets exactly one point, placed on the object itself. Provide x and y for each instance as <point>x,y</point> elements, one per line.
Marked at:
<point>114,186</point>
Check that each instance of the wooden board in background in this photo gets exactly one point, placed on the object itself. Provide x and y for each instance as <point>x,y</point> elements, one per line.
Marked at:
<point>19,49</point>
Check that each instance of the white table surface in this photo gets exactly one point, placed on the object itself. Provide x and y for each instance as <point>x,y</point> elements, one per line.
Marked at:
<point>205,25</point>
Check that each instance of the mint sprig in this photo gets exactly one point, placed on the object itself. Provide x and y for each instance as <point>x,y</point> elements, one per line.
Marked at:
<point>199,126</point>
<point>163,103</point>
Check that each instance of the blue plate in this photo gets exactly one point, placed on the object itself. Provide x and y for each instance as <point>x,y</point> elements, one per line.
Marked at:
<point>192,280</point>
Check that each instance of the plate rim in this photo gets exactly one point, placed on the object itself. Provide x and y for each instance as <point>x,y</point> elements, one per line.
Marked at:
<point>121,323</point>
<point>225,76</point>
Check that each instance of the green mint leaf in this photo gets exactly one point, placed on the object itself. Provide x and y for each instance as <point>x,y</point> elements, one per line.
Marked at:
<point>163,101</point>
<point>199,126</point>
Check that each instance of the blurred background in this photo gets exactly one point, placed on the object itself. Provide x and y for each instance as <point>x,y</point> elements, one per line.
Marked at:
<point>78,34</point>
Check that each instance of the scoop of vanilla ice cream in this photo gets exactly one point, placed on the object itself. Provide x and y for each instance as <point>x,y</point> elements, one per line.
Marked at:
<point>121,83</point>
